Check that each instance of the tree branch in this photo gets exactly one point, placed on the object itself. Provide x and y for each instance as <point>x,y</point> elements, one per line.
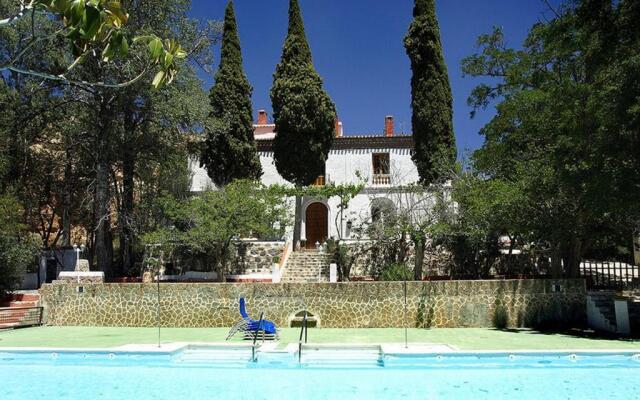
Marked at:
<point>73,82</point>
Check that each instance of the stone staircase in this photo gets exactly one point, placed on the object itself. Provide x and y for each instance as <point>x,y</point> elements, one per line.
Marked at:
<point>307,266</point>
<point>601,311</point>
<point>20,309</point>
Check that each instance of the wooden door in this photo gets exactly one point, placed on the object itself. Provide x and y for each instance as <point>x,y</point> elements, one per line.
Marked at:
<point>317,224</point>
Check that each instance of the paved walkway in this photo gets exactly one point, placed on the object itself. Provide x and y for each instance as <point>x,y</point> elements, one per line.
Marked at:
<point>462,339</point>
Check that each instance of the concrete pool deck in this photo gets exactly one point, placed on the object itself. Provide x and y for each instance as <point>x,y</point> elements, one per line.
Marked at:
<point>471,339</point>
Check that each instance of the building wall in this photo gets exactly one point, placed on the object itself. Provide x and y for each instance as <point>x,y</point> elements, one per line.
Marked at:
<point>524,303</point>
<point>343,167</point>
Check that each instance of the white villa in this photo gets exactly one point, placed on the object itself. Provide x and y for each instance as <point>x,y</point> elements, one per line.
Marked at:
<point>384,160</point>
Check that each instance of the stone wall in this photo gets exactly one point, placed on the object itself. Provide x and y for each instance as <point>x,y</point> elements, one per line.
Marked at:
<point>336,305</point>
<point>255,257</point>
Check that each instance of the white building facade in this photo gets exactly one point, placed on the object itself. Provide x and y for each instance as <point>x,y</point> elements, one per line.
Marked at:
<point>382,161</point>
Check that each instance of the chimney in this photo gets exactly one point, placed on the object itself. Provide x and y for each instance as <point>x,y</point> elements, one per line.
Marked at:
<point>338,128</point>
<point>388,126</point>
<point>262,117</point>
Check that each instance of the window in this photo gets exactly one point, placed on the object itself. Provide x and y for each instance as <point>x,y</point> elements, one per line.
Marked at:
<point>382,209</point>
<point>320,180</point>
<point>381,170</point>
<point>380,163</point>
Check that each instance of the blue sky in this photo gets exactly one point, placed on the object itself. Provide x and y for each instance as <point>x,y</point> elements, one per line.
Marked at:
<point>358,49</point>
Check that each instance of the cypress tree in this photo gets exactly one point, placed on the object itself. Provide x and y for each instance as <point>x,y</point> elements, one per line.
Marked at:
<point>432,120</point>
<point>303,112</point>
<point>230,151</point>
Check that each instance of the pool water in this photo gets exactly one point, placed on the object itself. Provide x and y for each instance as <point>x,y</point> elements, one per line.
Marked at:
<point>199,374</point>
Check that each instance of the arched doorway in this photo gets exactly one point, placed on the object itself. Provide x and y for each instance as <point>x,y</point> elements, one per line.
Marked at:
<point>316,224</point>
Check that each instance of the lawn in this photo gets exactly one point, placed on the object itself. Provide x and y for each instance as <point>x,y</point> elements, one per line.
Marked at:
<point>463,339</point>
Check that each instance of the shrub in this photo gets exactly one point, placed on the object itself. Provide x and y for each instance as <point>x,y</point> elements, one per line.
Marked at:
<point>17,249</point>
<point>396,272</point>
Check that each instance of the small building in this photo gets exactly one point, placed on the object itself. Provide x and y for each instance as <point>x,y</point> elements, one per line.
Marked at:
<point>383,161</point>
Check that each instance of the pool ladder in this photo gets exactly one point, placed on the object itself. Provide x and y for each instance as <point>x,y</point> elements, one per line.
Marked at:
<point>254,358</point>
<point>303,330</point>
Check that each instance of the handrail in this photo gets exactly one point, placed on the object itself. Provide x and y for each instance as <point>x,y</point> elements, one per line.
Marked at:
<point>303,329</point>
<point>255,338</point>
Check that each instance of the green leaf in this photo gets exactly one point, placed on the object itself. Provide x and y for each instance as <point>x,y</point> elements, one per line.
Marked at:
<point>167,60</point>
<point>158,79</point>
<point>92,22</point>
<point>155,48</point>
<point>107,53</point>
<point>77,11</point>
<point>124,46</point>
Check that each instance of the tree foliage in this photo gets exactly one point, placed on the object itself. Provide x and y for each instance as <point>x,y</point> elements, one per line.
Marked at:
<point>207,225</point>
<point>17,249</point>
<point>431,101</point>
<point>303,112</point>
<point>85,160</point>
<point>90,27</point>
<point>230,152</point>
<point>564,141</point>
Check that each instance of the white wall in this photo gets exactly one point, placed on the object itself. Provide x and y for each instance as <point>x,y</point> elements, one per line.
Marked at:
<point>270,175</point>
<point>200,180</point>
<point>341,168</point>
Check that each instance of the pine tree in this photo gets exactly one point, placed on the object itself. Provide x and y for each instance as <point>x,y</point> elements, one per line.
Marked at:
<point>230,150</point>
<point>432,103</point>
<point>303,112</point>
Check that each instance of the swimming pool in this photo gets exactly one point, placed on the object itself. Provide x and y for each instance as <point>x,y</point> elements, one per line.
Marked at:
<point>196,373</point>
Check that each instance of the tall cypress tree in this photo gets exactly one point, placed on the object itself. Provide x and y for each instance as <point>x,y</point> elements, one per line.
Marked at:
<point>303,112</point>
<point>432,103</point>
<point>230,151</point>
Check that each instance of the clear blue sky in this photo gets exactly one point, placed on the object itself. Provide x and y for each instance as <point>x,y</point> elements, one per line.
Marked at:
<point>358,49</point>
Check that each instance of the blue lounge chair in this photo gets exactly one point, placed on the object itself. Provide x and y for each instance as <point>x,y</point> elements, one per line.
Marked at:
<point>264,329</point>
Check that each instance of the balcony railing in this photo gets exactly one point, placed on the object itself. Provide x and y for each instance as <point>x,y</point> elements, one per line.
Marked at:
<point>320,181</point>
<point>381,180</point>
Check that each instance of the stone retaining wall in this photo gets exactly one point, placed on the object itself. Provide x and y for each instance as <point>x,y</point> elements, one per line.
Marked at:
<point>336,305</point>
<point>255,257</point>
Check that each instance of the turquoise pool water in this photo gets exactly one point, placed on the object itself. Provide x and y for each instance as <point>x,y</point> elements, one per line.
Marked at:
<point>200,374</point>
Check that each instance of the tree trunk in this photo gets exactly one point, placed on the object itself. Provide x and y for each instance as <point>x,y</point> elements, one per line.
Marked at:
<point>221,261</point>
<point>104,245</point>
<point>572,257</point>
<point>419,259</point>
<point>126,211</point>
<point>556,261</point>
<point>66,204</point>
<point>297,224</point>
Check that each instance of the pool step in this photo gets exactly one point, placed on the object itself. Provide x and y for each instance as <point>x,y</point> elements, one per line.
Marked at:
<point>336,356</point>
<point>203,355</point>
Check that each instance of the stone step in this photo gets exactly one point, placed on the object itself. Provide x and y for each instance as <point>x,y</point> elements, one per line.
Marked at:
<point>307,266</point>
<point>605,305</point>
<point>20,300</point>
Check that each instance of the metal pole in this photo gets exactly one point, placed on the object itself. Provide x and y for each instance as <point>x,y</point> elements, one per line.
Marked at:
<point>158,306</point>
<point>406,341</point>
